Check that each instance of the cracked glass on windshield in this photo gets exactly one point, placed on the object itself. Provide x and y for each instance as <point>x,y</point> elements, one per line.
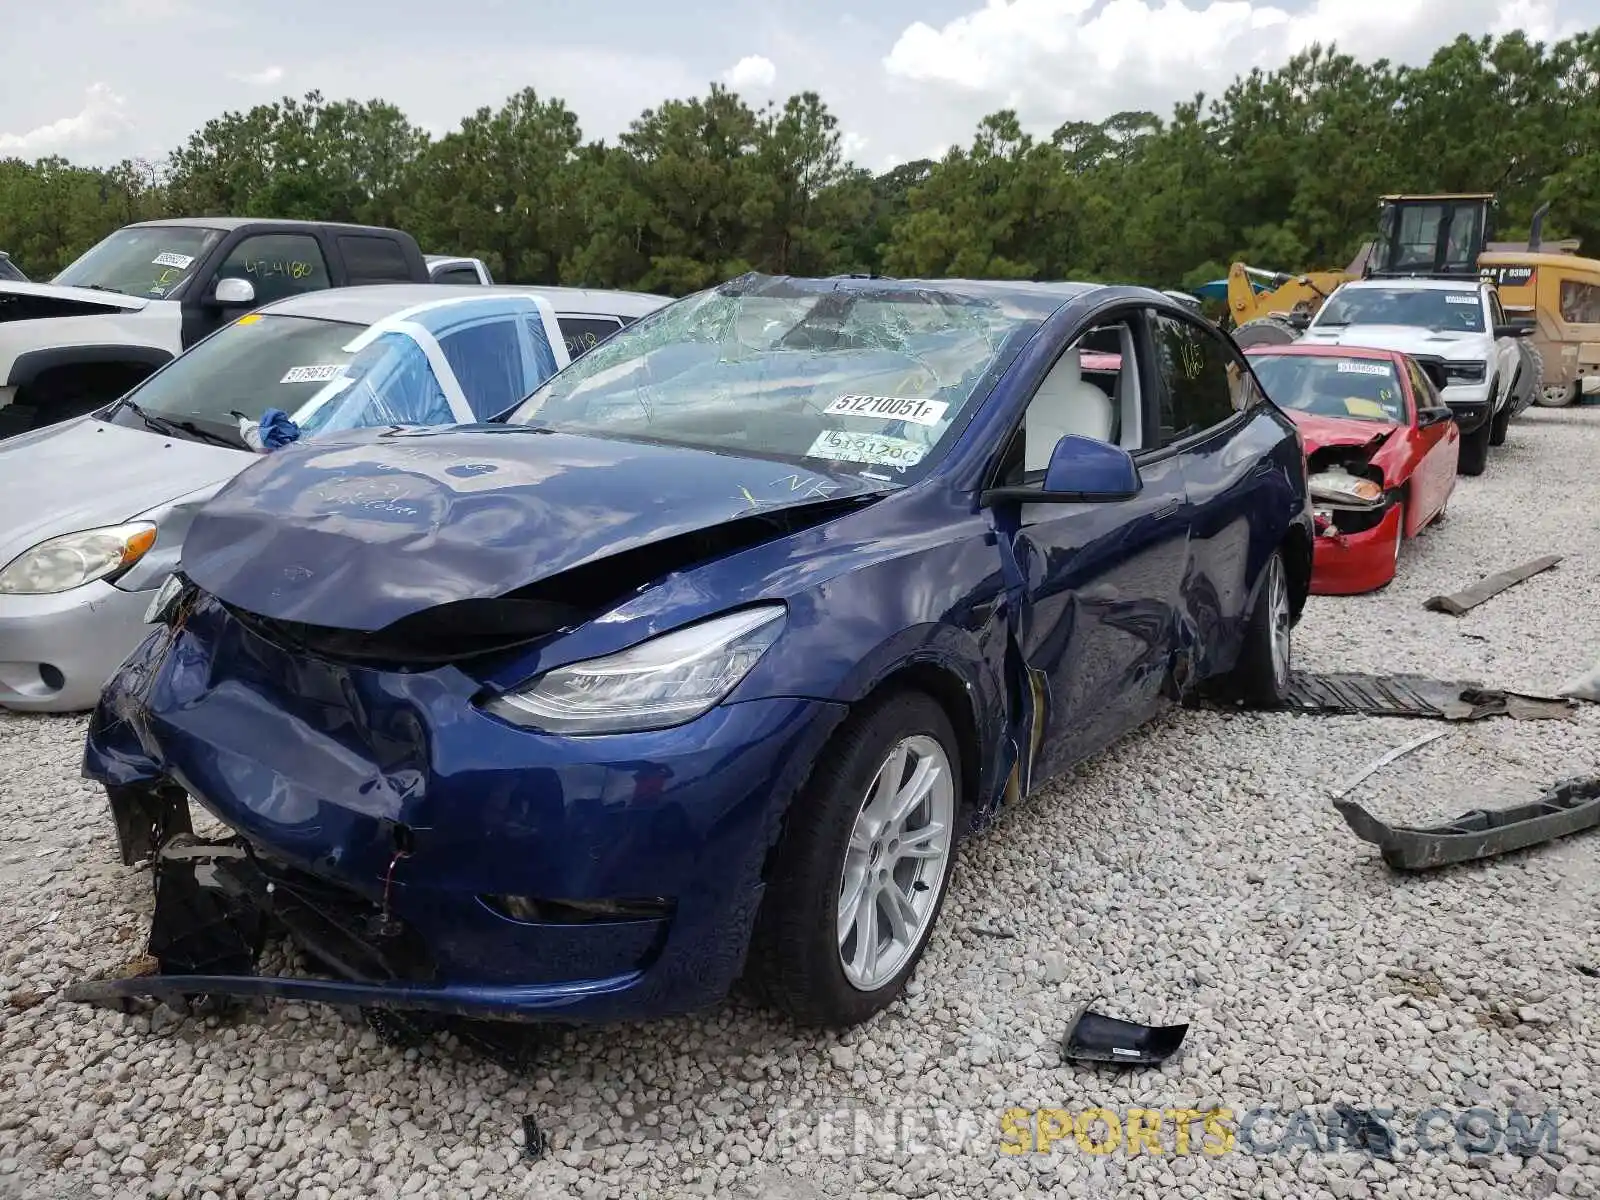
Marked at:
<point>150,262</point>
<point>863,379</point>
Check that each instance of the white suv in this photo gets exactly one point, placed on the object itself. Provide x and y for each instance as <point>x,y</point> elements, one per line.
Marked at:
<point>1457,327</point>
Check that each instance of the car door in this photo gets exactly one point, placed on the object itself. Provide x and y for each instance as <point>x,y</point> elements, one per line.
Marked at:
<point>1096,622</point>
<point>1236,462</point>
<point>276,265</point>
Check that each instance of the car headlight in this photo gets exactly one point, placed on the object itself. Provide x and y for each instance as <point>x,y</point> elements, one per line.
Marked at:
<point>1464,371</point>
<point>1343,488</point>
<point>74,559</point>
<point>665,681</point>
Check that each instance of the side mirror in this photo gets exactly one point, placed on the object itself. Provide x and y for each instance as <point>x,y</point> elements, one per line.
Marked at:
<point>1435,373</point>
<point>1512,331</point>
<point>1437,415</point>
<point>1082,470</point>
<point>233,292</point>
<point>1299,320</point>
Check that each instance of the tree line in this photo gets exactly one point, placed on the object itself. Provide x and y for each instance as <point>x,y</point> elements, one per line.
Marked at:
<point>1282,169</point>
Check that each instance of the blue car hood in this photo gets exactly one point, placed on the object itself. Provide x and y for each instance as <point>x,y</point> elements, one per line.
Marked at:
<point>378,525</point>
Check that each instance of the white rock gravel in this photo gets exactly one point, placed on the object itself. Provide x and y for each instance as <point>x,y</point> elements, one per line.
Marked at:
<point>1194,872</point>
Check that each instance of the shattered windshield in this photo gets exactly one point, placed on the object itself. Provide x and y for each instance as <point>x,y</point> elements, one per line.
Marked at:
<point>1365,389</point>
<point>864,380</point>
<point>151,262</point>
<point>1421,308</point>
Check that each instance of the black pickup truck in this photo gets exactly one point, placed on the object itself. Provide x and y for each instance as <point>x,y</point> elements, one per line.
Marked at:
<point>149,291</point>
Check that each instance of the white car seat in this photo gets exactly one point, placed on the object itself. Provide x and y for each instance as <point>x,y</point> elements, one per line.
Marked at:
<point>1065,403</point>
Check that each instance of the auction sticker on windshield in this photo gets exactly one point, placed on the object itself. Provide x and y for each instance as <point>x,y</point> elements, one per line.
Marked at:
<point>843,446</point>
<point>922,412</point>
<point>169,258</point>
<point>1363,368</point>
<point>318,374</point>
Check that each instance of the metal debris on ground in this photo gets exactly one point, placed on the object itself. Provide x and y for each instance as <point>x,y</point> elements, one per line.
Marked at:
<point>1571,806</point>
<point>1469,598</point>
<point>1418,696</point>
<point>1097,1038</point>
<point>1384,760</point>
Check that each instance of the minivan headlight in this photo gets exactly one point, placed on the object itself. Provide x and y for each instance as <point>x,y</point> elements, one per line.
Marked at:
<point>665,681</point>
<point>60,564</point>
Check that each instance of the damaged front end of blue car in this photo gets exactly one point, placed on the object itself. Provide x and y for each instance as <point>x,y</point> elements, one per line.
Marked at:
<point>413,793</point>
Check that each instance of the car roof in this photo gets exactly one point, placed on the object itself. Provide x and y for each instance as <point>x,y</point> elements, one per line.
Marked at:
<point>1417,283</point>
<point>230,223</point>
<point>1312,350</point>
<point>368,304</point>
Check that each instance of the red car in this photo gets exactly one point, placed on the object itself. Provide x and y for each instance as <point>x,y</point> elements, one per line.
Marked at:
<point>1381,450</point>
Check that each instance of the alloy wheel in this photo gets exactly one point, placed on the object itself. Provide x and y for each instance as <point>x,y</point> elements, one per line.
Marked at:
<point>1278,621</point>
<point>894,865</point>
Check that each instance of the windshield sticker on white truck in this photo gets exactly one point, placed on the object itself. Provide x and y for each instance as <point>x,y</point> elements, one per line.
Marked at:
<point>921,412</point>
<point>1460,299</point>
<point>842,445</point>
<point>169,258</point>
<point>1364,368</point>
<point>318,374</point>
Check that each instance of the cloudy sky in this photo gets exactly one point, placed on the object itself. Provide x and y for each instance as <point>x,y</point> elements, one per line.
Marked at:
<point>97,80</point>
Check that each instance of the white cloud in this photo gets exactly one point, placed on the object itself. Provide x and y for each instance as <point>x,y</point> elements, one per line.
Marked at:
<point>101,119</point>
<point>751,73</point>
<point>262,78</point>
<point>852,145</point>
<point>1060,59</point>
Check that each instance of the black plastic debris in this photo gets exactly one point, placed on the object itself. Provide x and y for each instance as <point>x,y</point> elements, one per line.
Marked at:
<point>1418,696</point>
<point>534,1143</point>
<point>1097,1038</point>
<point>203,923</point>
<point>1363,1129</point>
<point>1469,598</point>
<point>1571,806</point>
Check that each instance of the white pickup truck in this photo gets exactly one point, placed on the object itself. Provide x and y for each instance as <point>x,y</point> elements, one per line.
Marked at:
<point>1457,324</point>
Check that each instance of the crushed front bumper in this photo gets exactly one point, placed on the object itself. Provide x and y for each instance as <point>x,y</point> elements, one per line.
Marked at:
<point>394,792</point>
<point>1345,564</point>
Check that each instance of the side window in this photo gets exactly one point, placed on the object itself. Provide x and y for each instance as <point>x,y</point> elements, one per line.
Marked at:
<point>487,361</point>
<point>277,265</point>
<point>1197,391</point>
<point>583,334</point>
<point>456,275</point>
<point>1580,302</point>
<point>1497,314</point>
<point>374,259</point>
<point>1092,391</point>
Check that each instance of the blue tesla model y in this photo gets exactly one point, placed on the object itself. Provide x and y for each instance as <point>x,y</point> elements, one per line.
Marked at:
<point>701,664</point>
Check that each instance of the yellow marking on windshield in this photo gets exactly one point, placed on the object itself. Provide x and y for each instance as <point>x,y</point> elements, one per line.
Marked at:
<point>250,319</point>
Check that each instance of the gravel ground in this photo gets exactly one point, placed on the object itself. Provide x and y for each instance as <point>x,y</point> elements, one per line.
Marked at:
<point>1196,872</point>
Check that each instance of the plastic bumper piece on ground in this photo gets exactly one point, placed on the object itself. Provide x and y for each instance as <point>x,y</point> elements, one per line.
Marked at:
<point>1345,564</point>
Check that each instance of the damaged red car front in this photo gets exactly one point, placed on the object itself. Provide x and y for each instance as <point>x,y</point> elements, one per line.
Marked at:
<point>1381,450</point>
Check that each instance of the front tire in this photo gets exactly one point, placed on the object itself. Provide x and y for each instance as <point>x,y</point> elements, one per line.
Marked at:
<point>1475,450</point>
<point>1261,676</point>
<point>863,865</point>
